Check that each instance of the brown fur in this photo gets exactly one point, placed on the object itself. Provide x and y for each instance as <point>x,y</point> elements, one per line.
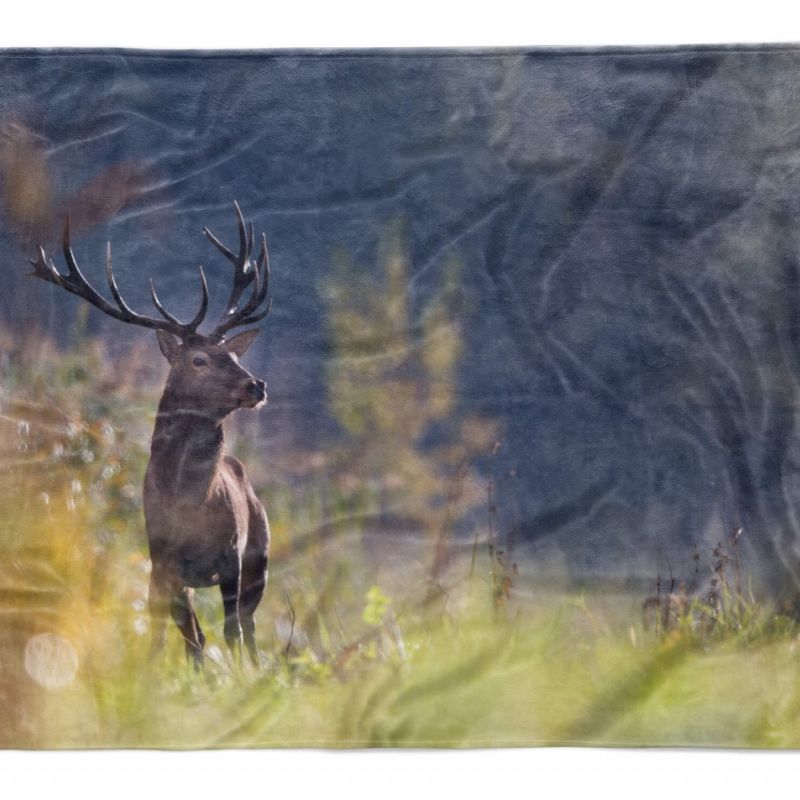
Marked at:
<point>205,524</point>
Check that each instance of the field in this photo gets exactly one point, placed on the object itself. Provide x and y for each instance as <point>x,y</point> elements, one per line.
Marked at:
<point>373,632</point>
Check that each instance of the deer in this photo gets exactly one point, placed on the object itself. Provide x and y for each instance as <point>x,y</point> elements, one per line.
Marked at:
<point>205,525</point>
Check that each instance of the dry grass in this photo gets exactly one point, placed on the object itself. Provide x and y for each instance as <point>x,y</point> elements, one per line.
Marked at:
<point>364,641</point>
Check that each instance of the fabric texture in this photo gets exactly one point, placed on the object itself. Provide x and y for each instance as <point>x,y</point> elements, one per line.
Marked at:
<point>522,414</point>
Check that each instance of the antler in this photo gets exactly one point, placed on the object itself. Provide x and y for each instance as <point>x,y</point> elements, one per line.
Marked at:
<point>245,272</point>
<point>75,282</point>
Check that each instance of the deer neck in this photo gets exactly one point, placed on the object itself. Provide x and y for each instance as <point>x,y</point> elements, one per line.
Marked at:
<point>186,450</point>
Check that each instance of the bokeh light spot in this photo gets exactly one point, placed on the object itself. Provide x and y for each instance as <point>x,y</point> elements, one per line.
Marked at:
<point>51,660</point>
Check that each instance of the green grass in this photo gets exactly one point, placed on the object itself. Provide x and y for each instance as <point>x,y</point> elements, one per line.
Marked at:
<point>551,669</point>
<point>360,647</point>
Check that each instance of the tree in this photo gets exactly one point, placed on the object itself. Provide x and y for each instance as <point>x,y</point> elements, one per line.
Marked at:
<point>393,385</point>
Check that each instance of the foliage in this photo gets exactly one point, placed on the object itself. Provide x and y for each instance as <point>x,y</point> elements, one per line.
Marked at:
<point>357,650</point>
<point>392,379</point>
<point>376,607</point>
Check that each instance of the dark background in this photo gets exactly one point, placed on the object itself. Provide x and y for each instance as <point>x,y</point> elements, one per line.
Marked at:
<point>626,222</point>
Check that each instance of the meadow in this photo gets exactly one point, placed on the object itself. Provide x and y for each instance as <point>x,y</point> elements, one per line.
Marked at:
<point>374,631</point>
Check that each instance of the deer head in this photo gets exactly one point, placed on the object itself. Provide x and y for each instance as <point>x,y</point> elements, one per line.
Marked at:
<point>205,375</point>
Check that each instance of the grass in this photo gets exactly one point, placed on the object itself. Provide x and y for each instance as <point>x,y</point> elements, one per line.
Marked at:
<point>368,668</point>
<point>361,647</point>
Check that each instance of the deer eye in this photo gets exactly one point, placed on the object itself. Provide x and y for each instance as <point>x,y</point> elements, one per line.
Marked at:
<point>199,362</point>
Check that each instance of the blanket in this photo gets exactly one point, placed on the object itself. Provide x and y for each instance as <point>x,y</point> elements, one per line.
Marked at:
<point>415,398</point>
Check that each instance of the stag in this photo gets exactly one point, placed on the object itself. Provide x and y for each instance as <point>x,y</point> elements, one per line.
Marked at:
<point>205,525</point>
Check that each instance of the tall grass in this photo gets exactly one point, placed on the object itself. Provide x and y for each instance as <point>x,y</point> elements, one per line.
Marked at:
<point>364,643</point>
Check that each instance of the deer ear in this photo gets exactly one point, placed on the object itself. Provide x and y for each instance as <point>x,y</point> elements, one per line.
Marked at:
<point>169,345</point>
<point>241,342</point>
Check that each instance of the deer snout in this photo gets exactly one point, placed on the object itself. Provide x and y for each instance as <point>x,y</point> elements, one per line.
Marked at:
<point>257,389</point>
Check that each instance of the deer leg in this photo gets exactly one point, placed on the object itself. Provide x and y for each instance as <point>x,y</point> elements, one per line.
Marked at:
<point>230,587</point>
<point>186,620</point>
<point>254,580</point>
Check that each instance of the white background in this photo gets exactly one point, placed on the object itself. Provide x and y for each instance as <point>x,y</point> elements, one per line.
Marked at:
<point>287,775</point>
